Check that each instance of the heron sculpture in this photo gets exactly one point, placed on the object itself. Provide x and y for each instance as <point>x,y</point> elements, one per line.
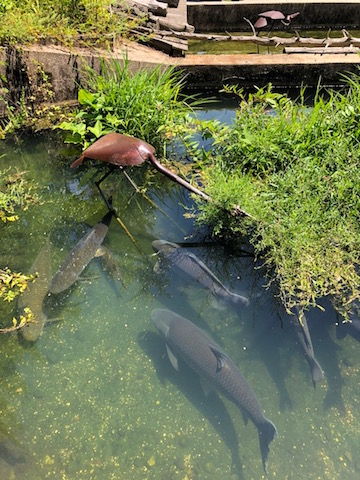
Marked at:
<point>274,15</point>
<point>121,151</point>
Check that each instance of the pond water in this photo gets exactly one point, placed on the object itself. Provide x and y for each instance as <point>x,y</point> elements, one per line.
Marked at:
<point>95,397</point>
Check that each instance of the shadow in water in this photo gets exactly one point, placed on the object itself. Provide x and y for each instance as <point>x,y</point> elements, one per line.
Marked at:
<point>326,350</point>
<point>269,341</point>
<point>13,458</point>
<point>10,452</point>
<point>335,381</point>
<point>188,382</point>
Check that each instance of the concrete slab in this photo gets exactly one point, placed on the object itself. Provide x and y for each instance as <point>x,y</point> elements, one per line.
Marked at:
<point>212,71</point>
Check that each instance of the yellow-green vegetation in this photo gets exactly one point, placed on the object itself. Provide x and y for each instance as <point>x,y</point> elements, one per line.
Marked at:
<point>68,22</point>
<point>15,194</point>
<point>296,170</point>
<point>12,284</point>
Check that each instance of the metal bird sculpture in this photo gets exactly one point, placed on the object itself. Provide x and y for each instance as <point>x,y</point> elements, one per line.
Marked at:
<point>274,15</point>
<point>124,151</point>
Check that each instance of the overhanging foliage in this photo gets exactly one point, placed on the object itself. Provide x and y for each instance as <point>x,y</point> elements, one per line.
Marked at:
<point>296,170</point>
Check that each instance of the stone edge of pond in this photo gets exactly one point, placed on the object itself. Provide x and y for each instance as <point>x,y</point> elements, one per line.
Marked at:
<point>63,67</point>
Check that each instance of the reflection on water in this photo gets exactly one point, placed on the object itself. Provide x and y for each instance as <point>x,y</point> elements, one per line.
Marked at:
<point>96,397</point>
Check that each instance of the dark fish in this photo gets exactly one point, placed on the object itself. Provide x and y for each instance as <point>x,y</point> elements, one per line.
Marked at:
<point>215,368</point>
<point>299,323</point>
<point>35,294</point>
<point>80,256</point>
<point>190,265</point>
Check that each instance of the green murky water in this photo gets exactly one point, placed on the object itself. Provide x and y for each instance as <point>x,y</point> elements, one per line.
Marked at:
<point>233,47</point>
<point>96,397</point>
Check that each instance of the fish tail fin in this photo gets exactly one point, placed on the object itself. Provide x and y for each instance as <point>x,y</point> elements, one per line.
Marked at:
<point>316,372</point>
<point>267,433</point>
<point>240,300</point>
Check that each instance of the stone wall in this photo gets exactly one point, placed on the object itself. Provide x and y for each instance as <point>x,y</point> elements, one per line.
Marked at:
<point>44,73</point>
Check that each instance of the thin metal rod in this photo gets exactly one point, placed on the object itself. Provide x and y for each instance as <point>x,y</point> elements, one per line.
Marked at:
<point>109,172</point>
<point>237,211</point>
<point>112,209</point>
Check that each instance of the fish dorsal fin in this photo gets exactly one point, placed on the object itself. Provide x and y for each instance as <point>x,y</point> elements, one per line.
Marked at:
<point>221,357</point>
<point>100,251</point>
<point>206,386</point>
<point>172,357</point>
<point>201,264</point>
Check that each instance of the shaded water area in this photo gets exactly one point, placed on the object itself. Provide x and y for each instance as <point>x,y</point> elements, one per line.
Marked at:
<point>96,396</point>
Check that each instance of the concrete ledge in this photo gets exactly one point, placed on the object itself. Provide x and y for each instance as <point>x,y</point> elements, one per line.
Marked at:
<point>38,70</point>
<point>221,16</point>
<point>32,70</point>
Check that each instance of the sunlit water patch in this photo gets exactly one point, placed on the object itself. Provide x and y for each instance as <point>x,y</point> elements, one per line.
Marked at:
<point>96,396</point>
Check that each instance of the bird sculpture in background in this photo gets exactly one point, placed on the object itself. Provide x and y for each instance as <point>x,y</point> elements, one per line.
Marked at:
<point>273,16</point>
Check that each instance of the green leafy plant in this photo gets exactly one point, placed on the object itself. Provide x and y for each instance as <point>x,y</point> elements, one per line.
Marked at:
<point>296,170</point>
<point>68,22</point>
<point>147,104</point>
<point>15,194</point>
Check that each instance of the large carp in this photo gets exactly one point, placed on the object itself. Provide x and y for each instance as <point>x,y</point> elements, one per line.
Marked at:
<point>35,293</point>
<point>212,364</point>
<point>83,252</point>
<point>172,255</point>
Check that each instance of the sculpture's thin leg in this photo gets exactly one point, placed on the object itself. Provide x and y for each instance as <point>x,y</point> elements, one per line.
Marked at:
<point>109,172</point>
<point>112,209</point>
<point>131,181</point>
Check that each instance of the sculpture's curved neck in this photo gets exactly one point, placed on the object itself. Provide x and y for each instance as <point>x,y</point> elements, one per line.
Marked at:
<point>177,179</point>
